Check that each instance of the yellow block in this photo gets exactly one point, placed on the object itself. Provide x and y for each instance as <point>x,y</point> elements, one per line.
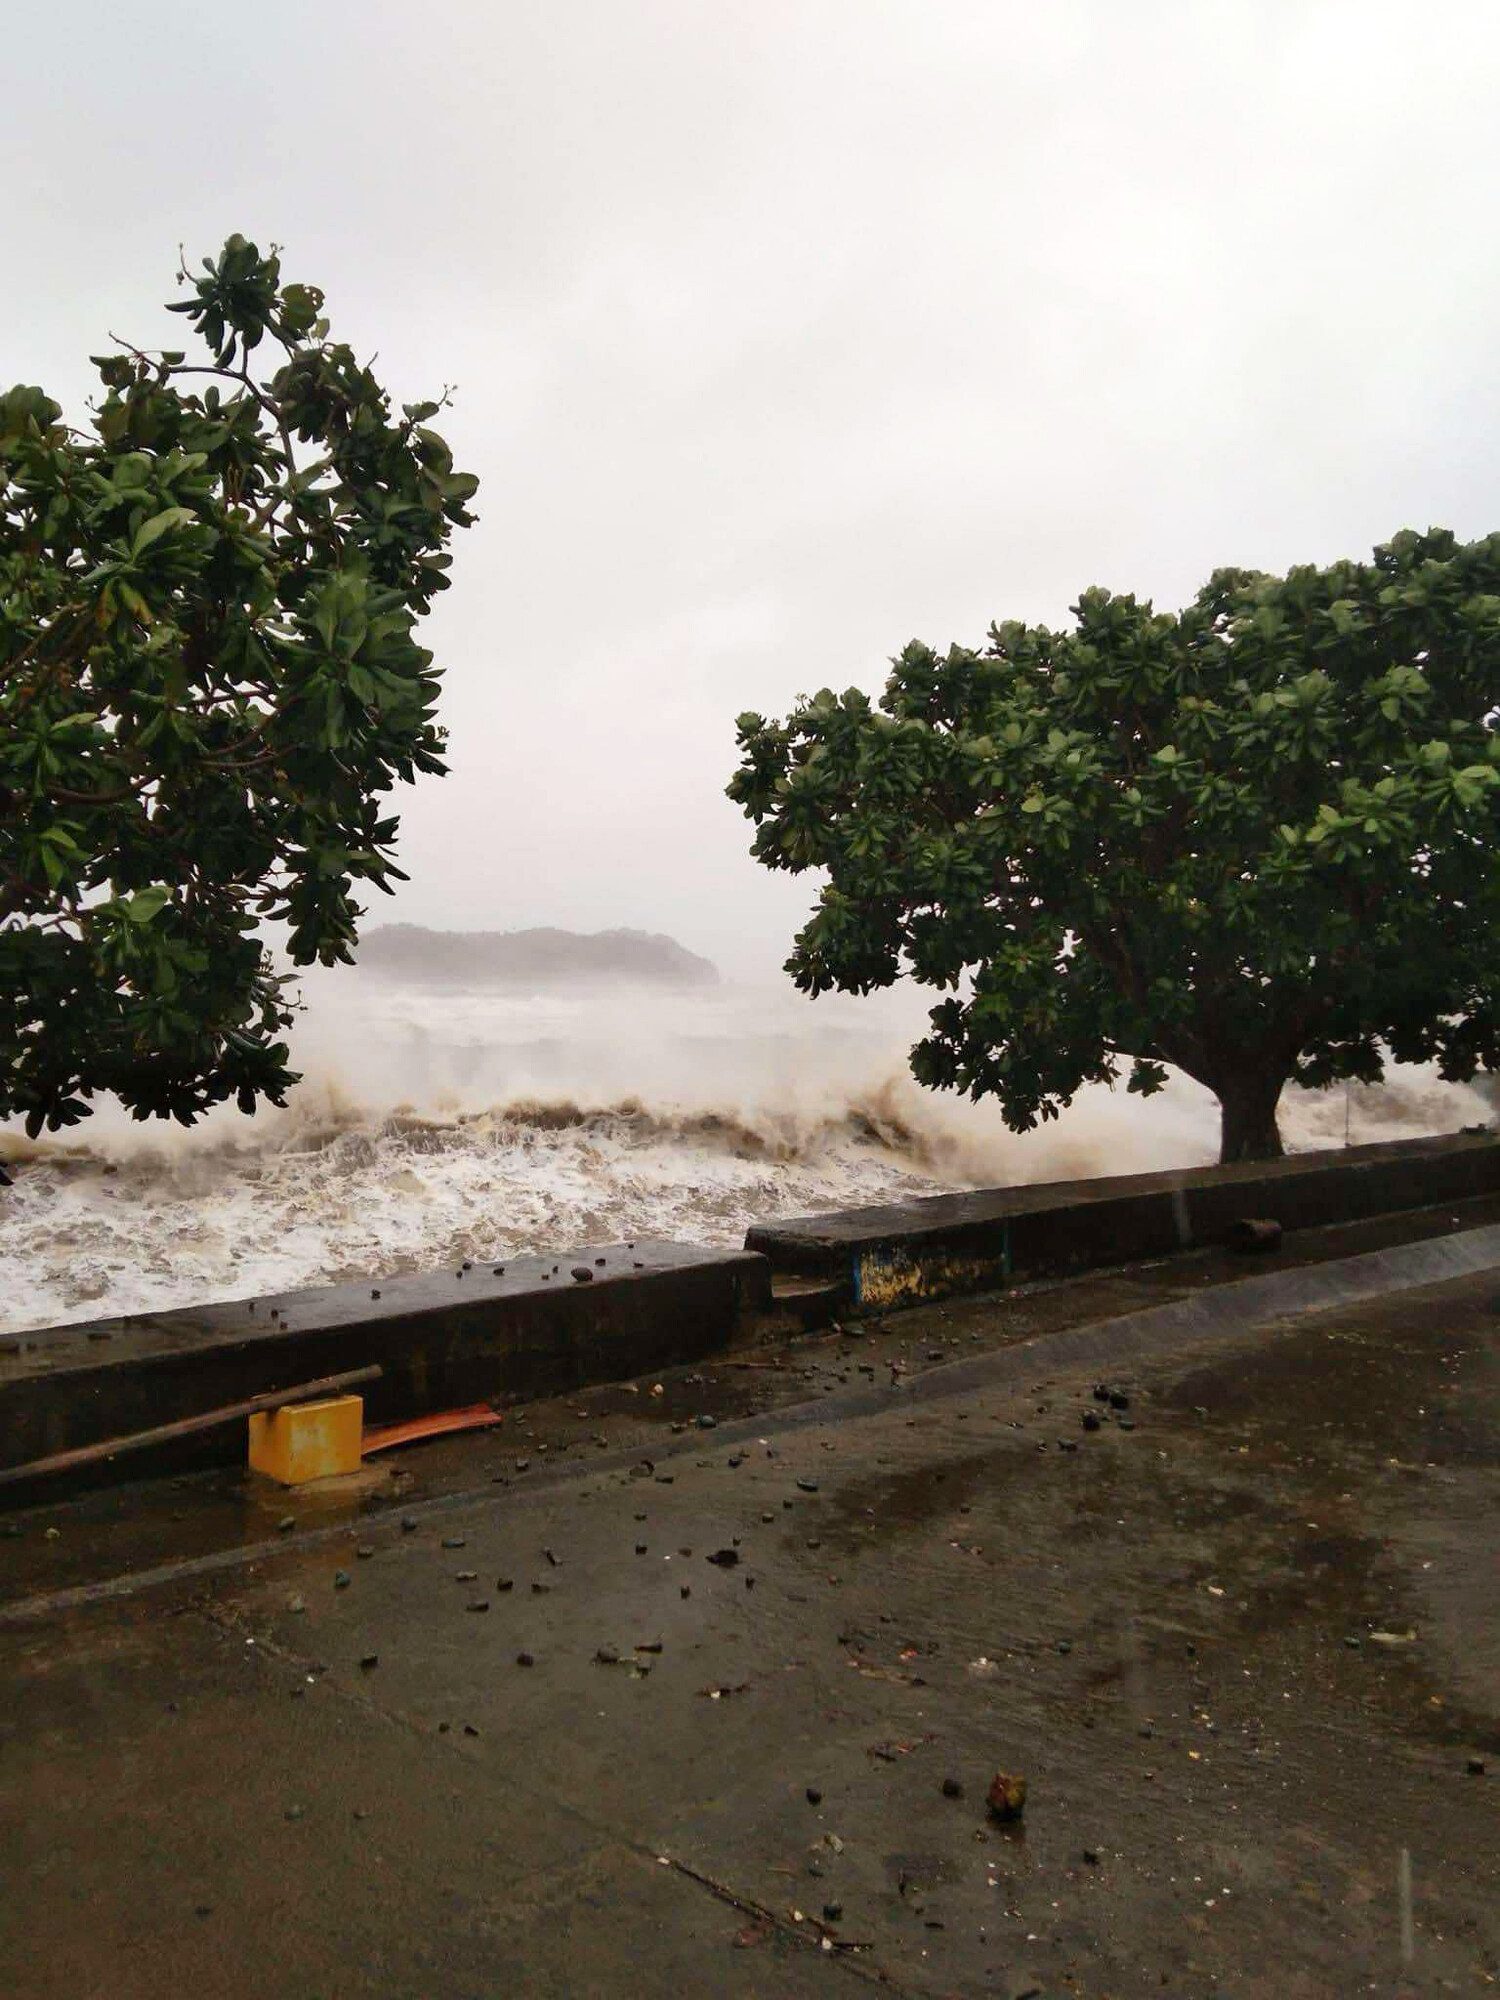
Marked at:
<point>308,1440</point>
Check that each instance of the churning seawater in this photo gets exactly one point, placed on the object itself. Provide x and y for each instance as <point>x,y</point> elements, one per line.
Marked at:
<point>435,1124</point>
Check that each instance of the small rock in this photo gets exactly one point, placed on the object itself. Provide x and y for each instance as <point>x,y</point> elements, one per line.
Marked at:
<point>453,1541</point>
<point>707,1423</point>
<point>503,1583</point>
<point>607,1656</point>
<point>470,1730</point>
<point>1091,1856</point>
<point>814,1796</point>
<point>1091,1420</point>
<point>1118,1400</point>
<point>640,1548</point>
<point>368,1661</point>
<point>294,1812</point>
<point>1006,1797</point>
<point>807,1485</point>
<point>296,1603</point>
<point>465,1576</point>
<point>364,1552</point>
<point>374,1291</point>
<point>1475,1767</point>
<point>479,1604</point>
<point>286,1524</point>
<point>952,1789</point>
<point>525,1660</point>
<point>725,1558</point>
<point>341,1579</point>
<point>582,1274</point>
<point>833,1912</point>
<point>408,1524</point>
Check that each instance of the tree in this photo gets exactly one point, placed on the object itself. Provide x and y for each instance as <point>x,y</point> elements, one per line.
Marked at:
<point>1254,840</point>
<point>209,680</point>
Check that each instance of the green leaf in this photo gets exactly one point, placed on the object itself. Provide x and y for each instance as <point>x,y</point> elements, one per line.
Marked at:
<point>159,524</point>
<point>147,903</point>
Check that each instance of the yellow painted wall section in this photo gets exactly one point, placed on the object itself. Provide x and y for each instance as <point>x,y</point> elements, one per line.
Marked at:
<point>905,1278</point>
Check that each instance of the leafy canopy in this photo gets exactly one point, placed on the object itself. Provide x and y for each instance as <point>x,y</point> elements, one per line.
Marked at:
<point>1254,839</point>
<point>209,679</point>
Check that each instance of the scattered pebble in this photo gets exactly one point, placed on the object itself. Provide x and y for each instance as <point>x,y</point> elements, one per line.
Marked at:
<point>1006,1797</point>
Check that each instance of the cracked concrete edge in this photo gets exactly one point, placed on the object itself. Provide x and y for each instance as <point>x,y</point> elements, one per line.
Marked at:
<point>1225,1312</point>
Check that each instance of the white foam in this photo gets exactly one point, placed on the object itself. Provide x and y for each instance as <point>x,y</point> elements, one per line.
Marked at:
<point>437,1125</point>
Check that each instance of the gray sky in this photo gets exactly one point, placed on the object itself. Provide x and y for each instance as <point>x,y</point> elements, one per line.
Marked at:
<point>786,331</point>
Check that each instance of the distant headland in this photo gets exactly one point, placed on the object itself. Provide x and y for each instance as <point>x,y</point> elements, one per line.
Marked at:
<point>532,961</point>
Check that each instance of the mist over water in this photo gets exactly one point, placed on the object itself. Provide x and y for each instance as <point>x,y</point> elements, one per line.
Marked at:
<point>433,1125</point>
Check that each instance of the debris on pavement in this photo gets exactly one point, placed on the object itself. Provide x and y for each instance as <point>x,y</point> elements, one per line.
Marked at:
<point>1006,1797</point>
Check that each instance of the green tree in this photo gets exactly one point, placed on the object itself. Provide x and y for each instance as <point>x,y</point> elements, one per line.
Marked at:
<point>1254,840</point>
<point>209,679</point>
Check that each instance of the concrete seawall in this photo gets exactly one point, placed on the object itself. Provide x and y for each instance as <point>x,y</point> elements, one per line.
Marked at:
<point>531,1328</point>
<point>527,1328</point>
<point>956,1243</point>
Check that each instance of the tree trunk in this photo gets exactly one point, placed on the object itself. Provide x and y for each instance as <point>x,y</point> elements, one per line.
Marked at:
<point>1249,1130</point>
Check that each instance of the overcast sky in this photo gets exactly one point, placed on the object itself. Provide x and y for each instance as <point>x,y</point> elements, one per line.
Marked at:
<point>788,330</point>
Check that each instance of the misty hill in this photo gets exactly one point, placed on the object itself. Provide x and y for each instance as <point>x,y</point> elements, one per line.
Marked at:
<point>532,961</point>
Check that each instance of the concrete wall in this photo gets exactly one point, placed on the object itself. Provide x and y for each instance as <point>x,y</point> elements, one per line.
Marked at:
<point>444,1339</point>
<point>530,1328</point>
<point>945,1244</point>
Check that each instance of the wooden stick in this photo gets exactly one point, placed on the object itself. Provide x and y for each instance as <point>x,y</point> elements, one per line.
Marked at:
<point>272,1399</point>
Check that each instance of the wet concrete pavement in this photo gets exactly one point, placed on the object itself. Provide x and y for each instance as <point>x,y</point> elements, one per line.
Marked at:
<point>1242,1638</point>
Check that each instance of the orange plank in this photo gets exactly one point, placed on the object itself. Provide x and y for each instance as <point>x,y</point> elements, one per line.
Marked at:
<point>474,1417</point>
